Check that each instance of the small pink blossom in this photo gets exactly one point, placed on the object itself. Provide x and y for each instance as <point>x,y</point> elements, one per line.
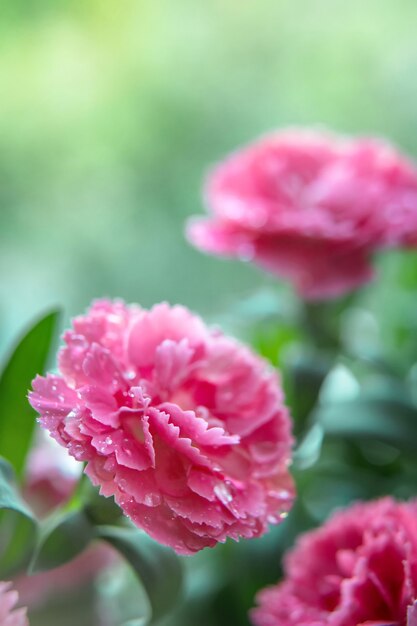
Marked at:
<point>311,208</point>
<point>37,590</point>
<point>359,569</point>
<point>185,427</point>
<point>9,615</point>
<point>51,477</point>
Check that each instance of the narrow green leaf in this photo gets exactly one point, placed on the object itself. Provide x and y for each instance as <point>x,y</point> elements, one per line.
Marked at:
<point>304,376</point>
<point>18,526</point>
<point>158,568</point>
<point>17,418</point>
<point>389,419</point>
<point>63,536</point>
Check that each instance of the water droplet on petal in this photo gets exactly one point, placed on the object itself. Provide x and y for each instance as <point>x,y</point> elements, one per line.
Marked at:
<point>130,374</point>
<point>223,493</point>
<point>152,499</point>
<point>278,517</point>
<point>122,484</point>
<point>78,452</point>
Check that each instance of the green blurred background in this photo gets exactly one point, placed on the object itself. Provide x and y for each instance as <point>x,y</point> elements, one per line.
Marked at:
<point>111,112</point>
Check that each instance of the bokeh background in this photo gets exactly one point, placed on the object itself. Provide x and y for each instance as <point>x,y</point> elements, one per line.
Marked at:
<point>110,115</point>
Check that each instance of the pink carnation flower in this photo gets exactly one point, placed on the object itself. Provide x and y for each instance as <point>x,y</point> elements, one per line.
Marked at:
<point>311,208</point>
<point>359,569</point>
<point>185,427</point>
<point>9,615</point>
<point>51,477</point>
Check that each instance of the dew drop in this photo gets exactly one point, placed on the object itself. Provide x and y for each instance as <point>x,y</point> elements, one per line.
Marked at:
<point>223,493</point>
<point>275,519</point>
<point>122,484</point>
<point>285,495</point>
<point>78,452</point>
<point>152,499</point>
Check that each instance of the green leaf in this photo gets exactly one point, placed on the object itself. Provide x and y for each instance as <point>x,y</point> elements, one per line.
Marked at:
<point>272,339</point>
<point>321,321</point>
<point>70,529</point>
<point>158,568</point>
<point>18,526</point>
<point>390,419</point>
<point>63,536</point>
<point>17,418</point>
<point>304,377</point>
<point>99,510</point>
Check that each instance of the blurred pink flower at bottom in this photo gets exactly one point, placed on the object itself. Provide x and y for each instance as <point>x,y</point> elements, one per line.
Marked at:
<point>9,615</point>
<point>359,569</point>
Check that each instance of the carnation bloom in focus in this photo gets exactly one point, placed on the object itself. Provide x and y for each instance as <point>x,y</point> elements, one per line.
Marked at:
<point>311,208</point>
<point>185,427</point>
<point>359,569</point>
<point>9,615</point>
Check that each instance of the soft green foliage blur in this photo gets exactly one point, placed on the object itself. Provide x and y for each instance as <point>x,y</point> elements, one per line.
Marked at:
<point>110,114</point>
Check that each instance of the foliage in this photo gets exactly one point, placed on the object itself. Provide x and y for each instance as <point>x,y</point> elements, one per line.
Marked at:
<point>17,418</point>
<point>110,117</point>
<point>42,545</point>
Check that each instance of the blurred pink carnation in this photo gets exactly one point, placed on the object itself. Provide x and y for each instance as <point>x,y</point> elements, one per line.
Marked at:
<point>9,615</point>
<point>51,477</point>
<point>359,569</point>
<point>310,207</point>
<point>184,426</point>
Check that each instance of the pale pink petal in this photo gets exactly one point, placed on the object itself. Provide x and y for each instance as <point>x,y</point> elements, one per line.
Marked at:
<point>412,614</point>
<point>159,324</point>
<point>9,614</point>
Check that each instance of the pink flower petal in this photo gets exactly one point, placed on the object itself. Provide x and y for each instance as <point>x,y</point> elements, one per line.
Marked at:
<point>186,428</point>
<point>357,570</point>
<point>311,208</point>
